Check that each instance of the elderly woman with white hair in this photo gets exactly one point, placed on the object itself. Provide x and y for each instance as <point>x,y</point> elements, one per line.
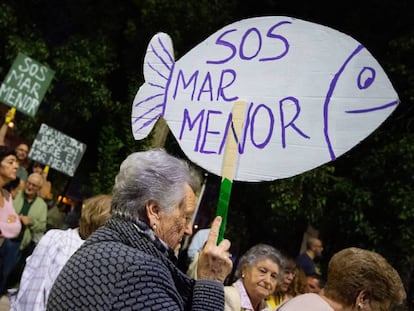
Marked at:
<point>130,264</point>
<point>258,272</point>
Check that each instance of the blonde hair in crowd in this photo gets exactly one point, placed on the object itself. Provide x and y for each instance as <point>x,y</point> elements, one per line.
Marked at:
<point>96,211</point>
<point>298,286</point>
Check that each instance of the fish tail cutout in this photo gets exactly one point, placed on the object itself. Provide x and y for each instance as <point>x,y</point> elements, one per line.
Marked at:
<point>229,166</point>
<point>150,101</point>
<point>328,99</point>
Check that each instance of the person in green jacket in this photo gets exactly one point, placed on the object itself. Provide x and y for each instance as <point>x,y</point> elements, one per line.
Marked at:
<point>32,210</point>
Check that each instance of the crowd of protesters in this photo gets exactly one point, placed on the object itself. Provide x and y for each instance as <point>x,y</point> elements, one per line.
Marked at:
<point>122,254</point>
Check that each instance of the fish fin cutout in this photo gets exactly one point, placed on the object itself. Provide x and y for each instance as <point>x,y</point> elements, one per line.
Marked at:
<point>150,100</point>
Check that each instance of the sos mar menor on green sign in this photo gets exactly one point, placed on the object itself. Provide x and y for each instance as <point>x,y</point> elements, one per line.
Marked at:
<point>25,85</point>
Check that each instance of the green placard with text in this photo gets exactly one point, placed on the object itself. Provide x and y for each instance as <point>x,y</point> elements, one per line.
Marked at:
<point>25,85</point>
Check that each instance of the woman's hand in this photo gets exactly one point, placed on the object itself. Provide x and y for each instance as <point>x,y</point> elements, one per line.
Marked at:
<point>25,219</point>
<point>214,260</point>
<point>11,218</point>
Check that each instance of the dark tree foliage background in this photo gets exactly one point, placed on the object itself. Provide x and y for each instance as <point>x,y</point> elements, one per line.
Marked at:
<point>365,198</point>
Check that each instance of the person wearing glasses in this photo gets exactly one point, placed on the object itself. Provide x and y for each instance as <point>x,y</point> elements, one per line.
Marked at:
<point>292,284</point>
<point>32,211</point>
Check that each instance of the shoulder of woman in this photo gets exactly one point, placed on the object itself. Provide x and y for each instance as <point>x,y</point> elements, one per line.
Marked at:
<point>5,194</point>
<point>232,298</point>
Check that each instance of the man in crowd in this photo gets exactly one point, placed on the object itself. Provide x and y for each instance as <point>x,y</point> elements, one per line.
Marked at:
<point>315,283</point>
<point>306,260</point>
<point>22,150</point>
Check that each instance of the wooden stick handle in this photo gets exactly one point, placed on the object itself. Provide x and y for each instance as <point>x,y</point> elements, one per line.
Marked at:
<point>229,166</point>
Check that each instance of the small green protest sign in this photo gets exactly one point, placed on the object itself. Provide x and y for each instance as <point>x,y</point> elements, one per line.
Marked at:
<point>25,84</point>
<point>61,152</point>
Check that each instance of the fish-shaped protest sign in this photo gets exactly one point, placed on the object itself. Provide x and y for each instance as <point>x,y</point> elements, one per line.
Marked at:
<point>312,94</point>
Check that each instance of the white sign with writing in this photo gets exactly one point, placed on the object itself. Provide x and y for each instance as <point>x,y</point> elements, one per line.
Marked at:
<point>61,152</point>
<point>312,94</point>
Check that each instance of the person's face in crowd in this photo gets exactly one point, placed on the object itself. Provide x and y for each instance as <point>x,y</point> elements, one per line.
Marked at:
<point>32,185</point>
<point>317,248</point>
<point>173,226</point>
<point>8,167</point>
<point>260,279</point>
<point>288,277</point>
<point>37,169</point>
<point>22,151</point>
<point>313,285</point>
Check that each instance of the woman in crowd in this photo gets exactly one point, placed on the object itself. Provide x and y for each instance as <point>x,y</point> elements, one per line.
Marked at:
<point>257,273</point>
<point>358,280</point>
<point>293,283</point>
<point>130,264</point>
<point>10,225</point>
<point>299,285</point>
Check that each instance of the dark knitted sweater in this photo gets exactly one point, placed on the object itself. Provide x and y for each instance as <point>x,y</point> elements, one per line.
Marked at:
<point>123,266</point>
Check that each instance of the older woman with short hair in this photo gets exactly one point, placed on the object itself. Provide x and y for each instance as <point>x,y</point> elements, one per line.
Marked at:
<point>130,263</point>
<point>257,273</point>
<point>358,280</point>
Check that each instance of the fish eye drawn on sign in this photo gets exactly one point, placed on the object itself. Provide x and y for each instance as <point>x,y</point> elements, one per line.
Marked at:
<point>61,152</point>
<point>25,85</point>
<point>313,93</point>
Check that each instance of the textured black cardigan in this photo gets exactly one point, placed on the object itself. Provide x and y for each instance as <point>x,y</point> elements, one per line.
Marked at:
<point>123,266</point>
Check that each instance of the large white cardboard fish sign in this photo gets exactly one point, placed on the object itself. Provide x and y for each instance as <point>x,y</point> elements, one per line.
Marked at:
<point>312,94</point>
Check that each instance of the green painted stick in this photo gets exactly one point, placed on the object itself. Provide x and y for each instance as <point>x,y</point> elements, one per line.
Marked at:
<point>230,159</point>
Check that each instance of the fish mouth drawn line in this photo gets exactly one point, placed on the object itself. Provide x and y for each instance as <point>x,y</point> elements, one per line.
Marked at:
<point>391,104</point>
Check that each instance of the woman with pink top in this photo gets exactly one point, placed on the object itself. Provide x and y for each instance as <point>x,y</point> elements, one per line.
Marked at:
<point>10,225</point>
<point>9,221</point>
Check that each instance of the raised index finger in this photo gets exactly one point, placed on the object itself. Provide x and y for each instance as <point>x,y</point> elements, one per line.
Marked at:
<point>214,232</point>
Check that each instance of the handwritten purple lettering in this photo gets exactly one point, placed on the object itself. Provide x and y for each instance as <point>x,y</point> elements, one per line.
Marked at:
<point>204,134</point>
<point>208,85</point>
<point>248,40</point>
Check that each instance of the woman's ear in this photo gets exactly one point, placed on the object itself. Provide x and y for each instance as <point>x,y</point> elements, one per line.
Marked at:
<point>244,268</point>
<point>153,213</point>
<point>361,300</point>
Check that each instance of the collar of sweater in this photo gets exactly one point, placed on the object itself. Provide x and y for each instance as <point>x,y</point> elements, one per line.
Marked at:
<point>137,235</point>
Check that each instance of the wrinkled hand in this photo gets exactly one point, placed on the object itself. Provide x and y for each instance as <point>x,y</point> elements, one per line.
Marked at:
<point>214,262</point>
